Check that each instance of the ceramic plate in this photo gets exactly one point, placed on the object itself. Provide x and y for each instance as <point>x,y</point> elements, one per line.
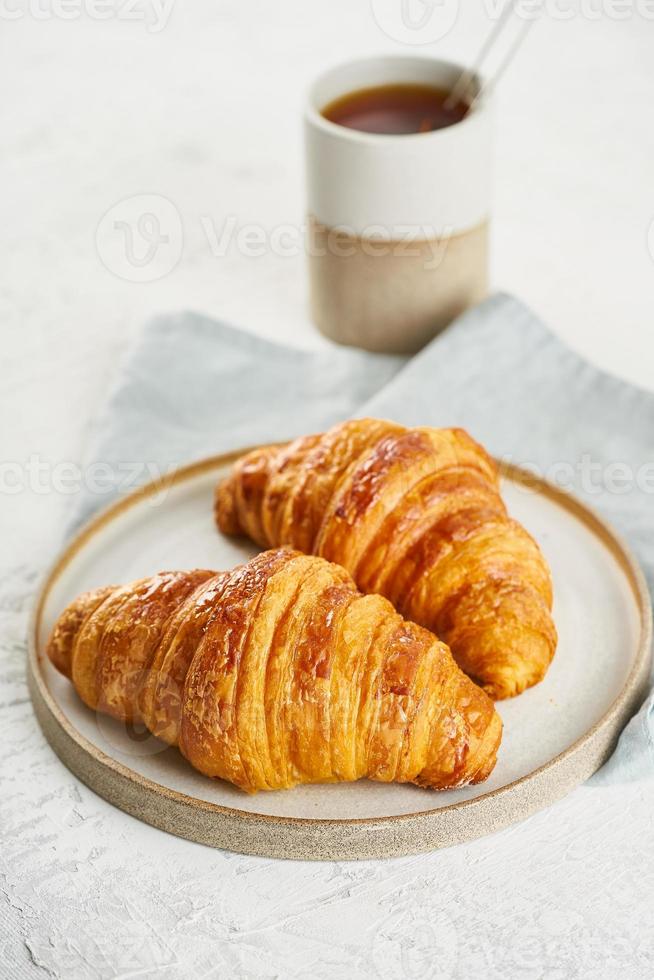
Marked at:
<point>555,735</point>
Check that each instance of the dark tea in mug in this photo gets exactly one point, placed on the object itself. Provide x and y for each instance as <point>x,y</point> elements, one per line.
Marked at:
<point>395,110</point>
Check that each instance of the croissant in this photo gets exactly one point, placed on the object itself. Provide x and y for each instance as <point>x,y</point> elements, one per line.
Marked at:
<point>278,673</point>
<point>415,515</point>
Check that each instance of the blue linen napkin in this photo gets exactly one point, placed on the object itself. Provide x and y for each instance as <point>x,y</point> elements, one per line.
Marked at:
<point>192,387</point>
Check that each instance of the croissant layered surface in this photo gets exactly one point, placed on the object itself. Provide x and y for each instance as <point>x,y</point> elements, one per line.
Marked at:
<point>414,515</point>
<point>279,673</point>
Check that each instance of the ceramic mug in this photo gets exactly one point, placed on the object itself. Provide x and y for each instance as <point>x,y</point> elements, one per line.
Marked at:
<point>397,225</point>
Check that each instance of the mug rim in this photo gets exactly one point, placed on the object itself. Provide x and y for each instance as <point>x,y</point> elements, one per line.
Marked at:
<point>314,115</point>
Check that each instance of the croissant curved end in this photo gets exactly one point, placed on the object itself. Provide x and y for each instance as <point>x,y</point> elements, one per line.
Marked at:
<point>66,629</point>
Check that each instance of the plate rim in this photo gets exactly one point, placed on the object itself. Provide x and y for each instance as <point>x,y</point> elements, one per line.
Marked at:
<point>104,774</point>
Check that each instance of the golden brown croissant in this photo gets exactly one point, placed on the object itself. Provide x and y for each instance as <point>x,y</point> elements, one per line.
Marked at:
<point>415,515</point>
<point>277,673</point>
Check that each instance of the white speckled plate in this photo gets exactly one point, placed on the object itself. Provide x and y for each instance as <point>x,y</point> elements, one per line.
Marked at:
<point>555,734</point>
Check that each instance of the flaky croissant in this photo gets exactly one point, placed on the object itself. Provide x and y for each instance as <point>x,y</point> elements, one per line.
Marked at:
<point>415,515</point>
<point>277,673</point>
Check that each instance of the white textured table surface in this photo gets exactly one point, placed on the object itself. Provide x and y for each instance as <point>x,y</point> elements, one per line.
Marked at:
<point>205,112</point>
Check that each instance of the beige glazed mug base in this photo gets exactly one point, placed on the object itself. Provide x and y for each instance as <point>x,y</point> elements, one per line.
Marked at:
<point>393,297</point>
